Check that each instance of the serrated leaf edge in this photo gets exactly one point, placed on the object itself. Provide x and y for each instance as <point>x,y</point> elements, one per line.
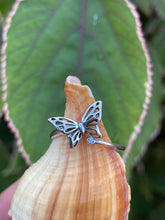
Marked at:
<point>5,108</point>
<point>148,84</point>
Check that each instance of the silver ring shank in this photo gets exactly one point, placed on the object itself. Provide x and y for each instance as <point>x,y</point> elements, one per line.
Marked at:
<point>91,140</point>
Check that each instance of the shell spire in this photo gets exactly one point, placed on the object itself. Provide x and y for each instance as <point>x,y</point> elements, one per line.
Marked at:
<point>86,182</point>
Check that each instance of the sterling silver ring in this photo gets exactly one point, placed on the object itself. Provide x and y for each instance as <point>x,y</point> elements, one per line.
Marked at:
<point>88,125</point>
<point>91,140</point>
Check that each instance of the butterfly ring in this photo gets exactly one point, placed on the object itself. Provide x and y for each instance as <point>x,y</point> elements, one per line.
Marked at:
<point>88,125</point>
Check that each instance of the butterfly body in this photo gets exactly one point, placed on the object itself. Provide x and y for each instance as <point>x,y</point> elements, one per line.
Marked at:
<point>81,128</point>
<point>88,124</point>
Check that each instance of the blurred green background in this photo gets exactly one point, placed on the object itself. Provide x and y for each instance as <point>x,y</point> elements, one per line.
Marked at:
<point>148,175</point>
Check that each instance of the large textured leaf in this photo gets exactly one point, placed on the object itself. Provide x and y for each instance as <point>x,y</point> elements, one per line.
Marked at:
<point>95,40</point>
<point>152,121</point>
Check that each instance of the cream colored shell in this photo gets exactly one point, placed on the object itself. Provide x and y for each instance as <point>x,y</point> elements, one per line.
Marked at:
<point>83,183</point>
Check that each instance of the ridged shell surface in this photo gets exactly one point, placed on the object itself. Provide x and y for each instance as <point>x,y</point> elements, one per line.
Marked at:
<point>87,182</point>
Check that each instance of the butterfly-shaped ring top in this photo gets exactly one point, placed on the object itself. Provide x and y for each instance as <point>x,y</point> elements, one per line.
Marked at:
<point>88,124</point>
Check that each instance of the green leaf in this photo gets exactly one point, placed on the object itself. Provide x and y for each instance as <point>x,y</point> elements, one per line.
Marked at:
<point>144,6</point>
<point>95,40</point>
<point>12,167</point>
<point>151,122</point>
<point>160,8</point>
<point>5,6</point>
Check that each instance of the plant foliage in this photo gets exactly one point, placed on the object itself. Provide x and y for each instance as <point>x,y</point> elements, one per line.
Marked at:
<point>100,42</point>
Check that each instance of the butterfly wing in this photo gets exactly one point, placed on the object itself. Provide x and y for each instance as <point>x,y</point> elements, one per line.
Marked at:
<point>75,138</point>
<point>93,113</point>
<point>63,124</point>
<point>90,119</point>
<point>93,130</point>
<point>69,127</point>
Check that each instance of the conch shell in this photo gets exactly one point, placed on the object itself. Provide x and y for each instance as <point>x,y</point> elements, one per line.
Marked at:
<point>82,183</point>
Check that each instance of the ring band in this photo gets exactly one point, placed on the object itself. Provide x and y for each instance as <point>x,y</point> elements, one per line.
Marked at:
<point>88,125</point>
<point>53,133</point>
<point>91,140</point>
